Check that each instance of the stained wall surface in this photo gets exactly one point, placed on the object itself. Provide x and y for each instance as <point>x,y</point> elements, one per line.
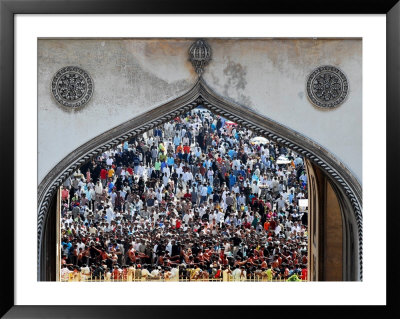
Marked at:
<point>133,76</point>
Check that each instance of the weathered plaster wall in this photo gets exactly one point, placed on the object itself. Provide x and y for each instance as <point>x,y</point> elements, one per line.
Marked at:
<point>270,77</point>
<point>132,76</point>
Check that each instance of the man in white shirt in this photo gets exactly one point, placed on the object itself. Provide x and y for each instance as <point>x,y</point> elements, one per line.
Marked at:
<point>300,195</point>
<point>145,274</point>
<point>203,194</point>
<point>85,272</point>
<point>296,228</point>
<point>166,171</point>
<point>219,217</point>
<point>281,203</point>
<point>254,188</point>
<point>202,211</point>
<point>186,218</point>
<point>236,188</point>
<point>278,229</point>
<point>241,200</point>
<point>109,161</point>
<point>169,247</point>
<point>92,196</point>
<point>80,245</point>
<point>227,248</point>
<point>224,194</point>
<point>221,149</point>
<point>303,178</point>
<point>109,214</point>
<point>274,185</point>
<point>236,164</point>
<point>65,273</point>
<point>140,170</point>
<point>183,132</point>
<point>187,176</point>
<point>165,178</point>
<point>236,274</point>
<point>174,274</point>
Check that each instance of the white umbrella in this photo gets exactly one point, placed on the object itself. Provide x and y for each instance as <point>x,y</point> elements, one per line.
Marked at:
<point>282,160</point>
<point>303,202</point>
<point>259,140</point>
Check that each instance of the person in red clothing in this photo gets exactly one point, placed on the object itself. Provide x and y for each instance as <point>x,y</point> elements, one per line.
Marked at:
<point>272,225</point>
<point>186,149</point>
<point>178,224</point>
<point>129,170</point>
<point>64,194</point>
<point>187,195</point>
<point>251,260</point>
<point>186,152</point>
<point>275,263</point>
<point>202,170</point>
<point>264,264</point>
<point>294,256</point>
<point>103,176</point>
<point>124,273</point>
<point>303,273</point>
<point>222,257</point>
<point>116,273</point>
<point>286,273</point>
<point>279,259</point>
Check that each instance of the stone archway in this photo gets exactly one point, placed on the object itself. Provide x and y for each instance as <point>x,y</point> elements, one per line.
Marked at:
<point>346,187</point>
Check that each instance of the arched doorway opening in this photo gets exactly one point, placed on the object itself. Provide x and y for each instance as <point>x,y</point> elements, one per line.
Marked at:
<point>334,192</point>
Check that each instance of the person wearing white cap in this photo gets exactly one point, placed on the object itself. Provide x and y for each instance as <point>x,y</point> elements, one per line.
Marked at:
<point>155,273</point>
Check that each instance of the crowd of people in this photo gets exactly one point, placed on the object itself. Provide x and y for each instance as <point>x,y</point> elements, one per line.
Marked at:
<point>196,198</point>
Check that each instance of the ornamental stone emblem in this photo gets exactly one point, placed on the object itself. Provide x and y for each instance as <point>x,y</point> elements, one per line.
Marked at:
<point>72,87</point>
<point>199,55</point>
<point>327,87</point>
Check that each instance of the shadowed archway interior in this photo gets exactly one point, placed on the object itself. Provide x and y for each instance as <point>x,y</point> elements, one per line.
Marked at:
<point>346,186</point>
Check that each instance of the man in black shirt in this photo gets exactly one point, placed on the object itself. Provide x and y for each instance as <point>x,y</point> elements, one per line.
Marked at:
<point>195,249</point>
<point>205,217</point>
<point>176,249</point>
<point>216,197</point>
<point>236,243</point>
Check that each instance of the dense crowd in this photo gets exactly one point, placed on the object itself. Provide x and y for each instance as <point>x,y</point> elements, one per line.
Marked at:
<point>196,198</point>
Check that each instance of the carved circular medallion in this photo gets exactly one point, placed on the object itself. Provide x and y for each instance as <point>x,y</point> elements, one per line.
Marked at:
<point>327,87</point>
<point>72,87</point>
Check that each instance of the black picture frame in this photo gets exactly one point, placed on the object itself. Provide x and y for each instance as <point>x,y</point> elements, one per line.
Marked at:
<point>8,10</point>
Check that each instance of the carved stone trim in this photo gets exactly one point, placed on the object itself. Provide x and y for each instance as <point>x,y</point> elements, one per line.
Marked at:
<point>242,115</point>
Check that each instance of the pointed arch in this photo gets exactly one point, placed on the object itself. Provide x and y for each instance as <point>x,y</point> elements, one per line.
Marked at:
<point>347,187</point>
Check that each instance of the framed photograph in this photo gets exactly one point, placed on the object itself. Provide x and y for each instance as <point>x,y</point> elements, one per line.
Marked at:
<point>197,161</point>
